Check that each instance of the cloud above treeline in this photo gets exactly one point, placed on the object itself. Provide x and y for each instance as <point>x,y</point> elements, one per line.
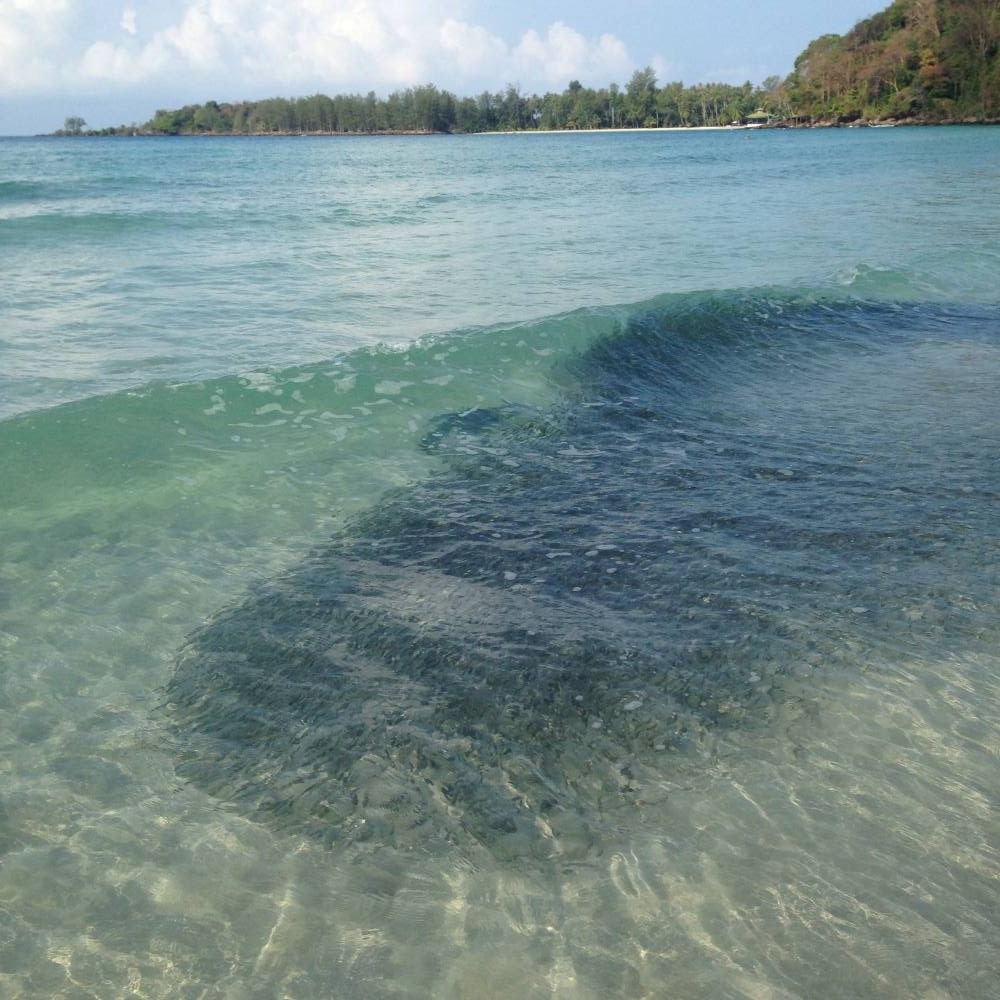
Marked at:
<point>249,46</point>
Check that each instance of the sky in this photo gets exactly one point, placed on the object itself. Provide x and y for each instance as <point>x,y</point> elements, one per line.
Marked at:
<point>115,62</point>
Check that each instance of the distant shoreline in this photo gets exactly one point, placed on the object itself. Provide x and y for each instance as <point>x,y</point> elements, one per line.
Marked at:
<point>778,125</point>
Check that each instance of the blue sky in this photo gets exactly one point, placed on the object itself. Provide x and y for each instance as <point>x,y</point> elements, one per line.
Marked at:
<point>117,61</point>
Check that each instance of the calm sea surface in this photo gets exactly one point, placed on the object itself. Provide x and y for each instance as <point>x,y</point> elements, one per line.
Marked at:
<point>501,566</point>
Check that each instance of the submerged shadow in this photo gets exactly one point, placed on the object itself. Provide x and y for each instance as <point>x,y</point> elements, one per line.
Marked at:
<point>515,653</point>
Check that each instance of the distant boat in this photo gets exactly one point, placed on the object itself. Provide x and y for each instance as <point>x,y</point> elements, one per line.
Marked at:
<point>882,125</point>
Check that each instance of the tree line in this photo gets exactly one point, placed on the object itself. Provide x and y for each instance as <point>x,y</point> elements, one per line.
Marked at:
<point>639,104</point>
<point>917,60</point>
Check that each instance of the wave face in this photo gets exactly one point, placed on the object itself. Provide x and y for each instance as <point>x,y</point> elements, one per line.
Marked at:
<point>514,654</point>
<point>390,608</point>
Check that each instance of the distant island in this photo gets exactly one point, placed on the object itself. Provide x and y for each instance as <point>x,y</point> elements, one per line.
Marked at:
<point>917,62</point>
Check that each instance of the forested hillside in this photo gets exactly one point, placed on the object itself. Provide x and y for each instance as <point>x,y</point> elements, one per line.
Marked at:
<point>927,60</point>
<point>917,60</point>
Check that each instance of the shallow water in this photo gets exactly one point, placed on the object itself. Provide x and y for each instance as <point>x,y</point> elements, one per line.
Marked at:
<point>635,651</point>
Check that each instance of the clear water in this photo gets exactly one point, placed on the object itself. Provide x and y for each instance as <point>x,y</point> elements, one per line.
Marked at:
<point>500,566</point>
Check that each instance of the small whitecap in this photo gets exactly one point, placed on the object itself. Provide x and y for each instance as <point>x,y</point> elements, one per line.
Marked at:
<point>258,380</point>
<point>389,387</point>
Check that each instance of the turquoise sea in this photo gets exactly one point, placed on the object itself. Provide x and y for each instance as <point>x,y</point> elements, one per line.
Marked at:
<point>501,566</point>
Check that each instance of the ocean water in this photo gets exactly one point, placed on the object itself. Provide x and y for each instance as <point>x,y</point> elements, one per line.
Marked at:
<point>501,566</point>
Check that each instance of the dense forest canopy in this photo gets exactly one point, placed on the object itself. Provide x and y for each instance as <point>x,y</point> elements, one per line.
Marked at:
<point>917,60</point>
<point>929,60</point>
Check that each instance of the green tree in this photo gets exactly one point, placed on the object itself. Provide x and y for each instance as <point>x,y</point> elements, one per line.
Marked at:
<point>510,108</point>
<point>209,118</point>
<point>640,104</point>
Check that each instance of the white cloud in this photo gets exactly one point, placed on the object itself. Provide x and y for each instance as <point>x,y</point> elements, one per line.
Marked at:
<point>564,54</point>
<point>196,40</point>
<point>29,31</point>
<point>472,50</point>
<point>43,8</point>
<point>244,47</point>
<point>665,70</point>
<point>104,61</point>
